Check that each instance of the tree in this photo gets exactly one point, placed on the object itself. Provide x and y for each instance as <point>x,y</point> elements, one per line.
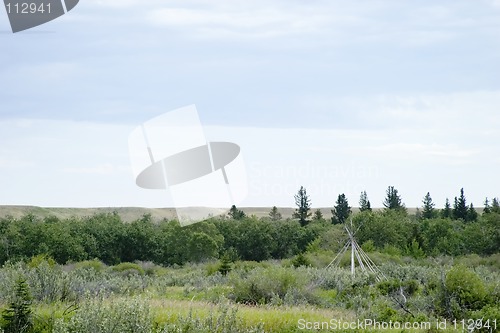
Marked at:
<point>274,214</point>
<point>364,203</point>
<point>471,214</point>
<point>341,210</point>
<point>428,211</point>
<point>303,206</point>
<point>487,208</point>
<point>17,318</point>
<point>460,208</point>
<point>495,206</point>
<point>225,264</point>
<point>393,200</point>
<point>318,215</point>
<point>446,212</point>
<point>235,213</point>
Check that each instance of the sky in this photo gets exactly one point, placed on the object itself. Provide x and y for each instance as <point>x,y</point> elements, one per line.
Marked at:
<point>337,96</point>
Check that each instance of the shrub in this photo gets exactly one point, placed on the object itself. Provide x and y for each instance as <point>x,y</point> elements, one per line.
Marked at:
<point>17,318</point>
<point>466,286</point>
<point>263,285</point>
<point>127,268</point>
<point>97,316</point>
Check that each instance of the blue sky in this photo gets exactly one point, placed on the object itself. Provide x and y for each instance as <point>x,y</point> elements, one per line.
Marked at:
<point>409,89</point>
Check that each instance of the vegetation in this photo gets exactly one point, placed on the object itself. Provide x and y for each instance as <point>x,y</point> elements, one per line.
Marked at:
<point>245,274</point>
<point>303,203</point>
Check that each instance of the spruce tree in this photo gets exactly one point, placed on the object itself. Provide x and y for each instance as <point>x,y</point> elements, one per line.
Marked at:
<point>341,210</point>
<point>303,204</point>
<point>235,213</point>
<point>225,264</point>
<point>393,200</point>
<point>318,215</point>
<point>460,208</point>
<point>17,318</point>
<point>274,214</point>
<point>487,208</point>
<point>495,206</point>
<point>471,214</point>
<point>446,212</point>
<point>428,207</point>
<point>364,203</point>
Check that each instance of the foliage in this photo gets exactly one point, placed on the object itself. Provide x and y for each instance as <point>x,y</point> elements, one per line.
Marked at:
<point>274,214</point>
<point>17,318</point>
<point>98,316</point>
<point>303,203</point>
<point>235,213</point>
<point>446,212</point>
<point>341,210</point>
<point>393,200</point>
<point>460,208</point>
<point>428,211</point>
<point>364,203</point>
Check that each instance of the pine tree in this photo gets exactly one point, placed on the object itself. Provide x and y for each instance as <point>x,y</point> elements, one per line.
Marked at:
<point>495,206</point>
<point>236,214</point>
<point>274,214</point>
<point>364,203</point>
<point>318,215</point>
<point>17,318</point>
<point>303,206</point>
<point>446,212</point>
<point>428,208</point>
<point>460,208</point>
<point>225,264</point>
<point>471,214</point>
<point>393,200</point>
<point>487,208</point>
<point>341,210</point>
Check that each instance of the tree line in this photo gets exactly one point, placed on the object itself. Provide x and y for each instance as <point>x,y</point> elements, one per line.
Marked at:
<point>453,231</point>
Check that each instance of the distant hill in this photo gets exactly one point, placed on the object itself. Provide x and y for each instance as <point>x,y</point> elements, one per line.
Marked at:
<point>133,213</point>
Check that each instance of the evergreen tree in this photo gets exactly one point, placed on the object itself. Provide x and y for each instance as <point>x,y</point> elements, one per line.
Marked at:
<point>393,200</point>
<point>428,208</point>
<point>487,208</point>
<point>446,212</point>
<point>471,214</point>
<point>236,214</point>
<point>17,318</point>
<point>225,264</point>
<point>495,206</point>
<point>364,203</point>
<point>274,214</point>
<point>318,215</point>
<point>341,210</point>
<point>303,204</point>
<point>460,208</point>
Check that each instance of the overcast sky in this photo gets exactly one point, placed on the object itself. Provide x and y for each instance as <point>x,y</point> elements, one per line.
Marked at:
<point>338,96</point>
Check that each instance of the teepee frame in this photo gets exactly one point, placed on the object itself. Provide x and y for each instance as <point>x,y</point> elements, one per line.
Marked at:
<point>357,254</point>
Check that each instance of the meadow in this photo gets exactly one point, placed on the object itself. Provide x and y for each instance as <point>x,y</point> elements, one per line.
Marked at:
<point>98,273</point>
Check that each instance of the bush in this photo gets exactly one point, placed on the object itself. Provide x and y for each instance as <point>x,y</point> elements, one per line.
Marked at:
<point>466,286</point>
<point>17,318</point>
<point>263,285</point>
<point>97,316</point>
<point>127,268</point>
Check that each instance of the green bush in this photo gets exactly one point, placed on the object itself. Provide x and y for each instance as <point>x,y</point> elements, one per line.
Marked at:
<point>274,283</point>
<point>466,286</point>
<point>131,315</point>
<point>128,268</point>
<point>17,318</point>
